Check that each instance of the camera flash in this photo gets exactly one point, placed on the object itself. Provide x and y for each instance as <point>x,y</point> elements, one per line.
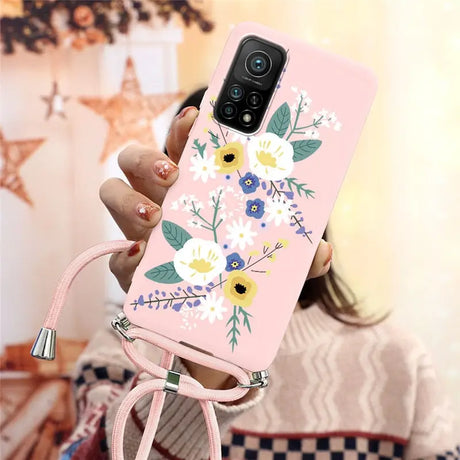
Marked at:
<point>247,118</point>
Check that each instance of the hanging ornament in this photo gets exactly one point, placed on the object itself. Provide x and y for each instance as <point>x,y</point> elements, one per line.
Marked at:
<point>55,102</point>
<point>129,113</point>
<point>13,154</point>
<point>39,24</point>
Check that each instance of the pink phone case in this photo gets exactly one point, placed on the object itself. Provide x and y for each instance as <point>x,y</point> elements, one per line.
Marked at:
<point>224,269</point>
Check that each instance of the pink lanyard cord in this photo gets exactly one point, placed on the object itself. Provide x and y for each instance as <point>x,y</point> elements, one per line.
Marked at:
<point>184,385</point>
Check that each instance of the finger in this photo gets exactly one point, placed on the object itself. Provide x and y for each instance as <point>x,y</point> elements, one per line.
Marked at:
<point>149,171</point>
<point>178,134</point>
<point>123,264</point>
<point>322,261</point>
<point>133,212</point>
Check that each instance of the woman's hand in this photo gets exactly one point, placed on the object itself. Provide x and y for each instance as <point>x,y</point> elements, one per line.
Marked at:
<point>136,208</point>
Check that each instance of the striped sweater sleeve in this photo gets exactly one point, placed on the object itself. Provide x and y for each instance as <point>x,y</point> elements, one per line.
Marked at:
<point>431,433</point>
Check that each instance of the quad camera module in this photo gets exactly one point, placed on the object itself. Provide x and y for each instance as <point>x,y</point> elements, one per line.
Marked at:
<point>249,85</point>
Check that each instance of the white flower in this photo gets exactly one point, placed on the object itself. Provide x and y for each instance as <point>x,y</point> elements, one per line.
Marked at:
<point>270,157</point>
<point>199,261</point>
<point>332,117</point>
<point>211,307</point>
<point>338,126</point>
<point>175,206</point>
<point>229,189</point>
<point>278,209</point>
<point>295,89</point>
<point>312,133</point>
<point>189,315</point>
<point>240,233</point>
<point>193,223</point>
<point>242,138</point>
<point>191,203</point>
<point>223,216</point>
<point>204,168</point>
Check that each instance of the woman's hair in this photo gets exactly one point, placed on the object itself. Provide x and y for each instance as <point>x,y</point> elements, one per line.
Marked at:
<point>329,291</point>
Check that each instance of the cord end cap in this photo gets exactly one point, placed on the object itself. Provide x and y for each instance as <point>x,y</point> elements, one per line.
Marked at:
<point>45,344</point>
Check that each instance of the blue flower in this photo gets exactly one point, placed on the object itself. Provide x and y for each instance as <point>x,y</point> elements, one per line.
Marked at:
<point>249,183</point>
<point>234,262</point>
<point>255,208</point>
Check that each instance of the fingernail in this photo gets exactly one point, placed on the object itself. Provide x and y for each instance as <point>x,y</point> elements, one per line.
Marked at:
<point>146,211</point>
<point>135,248</point>
<point>329,258</point>
<point>163,168</point>
<point>184,111</point>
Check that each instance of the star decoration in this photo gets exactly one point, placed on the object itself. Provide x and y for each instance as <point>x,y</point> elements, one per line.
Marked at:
<point>129,113</point>
<point>55,102</point>
<point>13,154</point>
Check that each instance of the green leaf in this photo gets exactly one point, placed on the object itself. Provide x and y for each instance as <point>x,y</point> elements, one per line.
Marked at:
<point>214,139</point>
<point>304,148</point>
<point>165,273</point>
<point>175,235</point>
<point>300,188</point>
<point>279,122</point>
<point>199,147</point>
<point>246,316</point>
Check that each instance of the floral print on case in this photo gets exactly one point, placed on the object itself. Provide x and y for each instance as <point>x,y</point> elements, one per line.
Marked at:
<point>218,261</point>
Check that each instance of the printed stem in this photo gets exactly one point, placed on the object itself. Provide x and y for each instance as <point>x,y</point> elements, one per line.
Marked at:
<point>316,124</point>
<point>300,225</point>
<point>234,332</point>
<point>214,217</point>
<point>222,132</point>
<point>169,300</point>
<point>246,317</point>
<point>214,226</point>
<point>196,213</point>
<point>268,254</point>
<point>296,118</point>
<point>273,186</point>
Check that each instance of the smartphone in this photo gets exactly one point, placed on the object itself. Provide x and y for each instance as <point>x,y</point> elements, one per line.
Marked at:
<point>259,175</point>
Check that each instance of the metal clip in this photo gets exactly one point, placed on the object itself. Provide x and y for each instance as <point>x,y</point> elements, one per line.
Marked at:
<point>172,382</point>
<point>258,379</point>
<point>121,324</point>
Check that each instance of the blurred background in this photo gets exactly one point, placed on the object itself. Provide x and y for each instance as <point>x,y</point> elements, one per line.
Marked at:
<point>72,76</point>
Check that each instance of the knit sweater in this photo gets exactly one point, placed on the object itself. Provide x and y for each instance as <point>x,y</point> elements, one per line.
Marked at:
<point>336,391</point>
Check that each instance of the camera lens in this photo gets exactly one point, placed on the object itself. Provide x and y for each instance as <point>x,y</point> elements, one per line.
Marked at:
<point>254,100</point>
<point>236,92</point>
<point>258,63</point>
<point>228,110</point>
<point>247,118</point>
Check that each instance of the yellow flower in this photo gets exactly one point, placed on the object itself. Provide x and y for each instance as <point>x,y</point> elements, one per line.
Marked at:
<point>230,157</point>
<point>283,242</point>
<point>240,289</point>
